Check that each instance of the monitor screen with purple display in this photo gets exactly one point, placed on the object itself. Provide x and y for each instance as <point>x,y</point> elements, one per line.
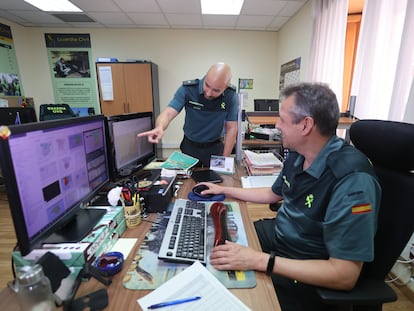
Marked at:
<point>128,152</point>
<point>51,171</point>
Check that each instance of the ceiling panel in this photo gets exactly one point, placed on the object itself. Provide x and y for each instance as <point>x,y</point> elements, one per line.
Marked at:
<point>266,15</point>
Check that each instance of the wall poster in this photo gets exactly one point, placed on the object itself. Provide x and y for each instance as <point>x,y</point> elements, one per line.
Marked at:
<point>289,73</point>
<point>10,84</point>
<point>246,84</point>
<point>72,70</point>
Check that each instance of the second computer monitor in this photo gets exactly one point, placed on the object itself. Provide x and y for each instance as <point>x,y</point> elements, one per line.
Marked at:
<point>266,105</point>
<point>128,152</point>
<point>17,115</point>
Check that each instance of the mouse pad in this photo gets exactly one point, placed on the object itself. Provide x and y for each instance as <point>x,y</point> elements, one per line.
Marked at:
<point>195,197</point>
<point>148,272</point>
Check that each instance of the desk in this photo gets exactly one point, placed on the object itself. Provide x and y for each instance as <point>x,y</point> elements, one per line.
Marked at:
<point>343,124</point>
<point>261,297</point>
<point>261,143</point>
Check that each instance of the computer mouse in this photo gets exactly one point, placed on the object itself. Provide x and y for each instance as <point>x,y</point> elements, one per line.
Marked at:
<point>199,188</point>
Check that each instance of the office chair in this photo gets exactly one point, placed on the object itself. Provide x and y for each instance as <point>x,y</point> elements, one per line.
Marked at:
<point>390,147</point>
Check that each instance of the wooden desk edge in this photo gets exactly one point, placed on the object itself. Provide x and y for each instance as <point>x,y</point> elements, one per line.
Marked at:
<point>273,119</point>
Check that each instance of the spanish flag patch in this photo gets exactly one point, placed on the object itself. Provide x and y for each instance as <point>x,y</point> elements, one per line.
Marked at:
<point>361,208</point>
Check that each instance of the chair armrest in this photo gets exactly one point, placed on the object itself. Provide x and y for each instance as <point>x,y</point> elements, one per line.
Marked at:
<point>366,292</point>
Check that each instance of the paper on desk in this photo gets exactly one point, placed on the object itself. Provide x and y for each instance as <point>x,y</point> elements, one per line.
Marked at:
<point>258,181</point>
<point>124,246</point>
<point>195,280</point>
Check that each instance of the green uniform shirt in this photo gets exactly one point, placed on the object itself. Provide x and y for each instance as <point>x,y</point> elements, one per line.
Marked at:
<point>330,209</point>
<point>204,119</point>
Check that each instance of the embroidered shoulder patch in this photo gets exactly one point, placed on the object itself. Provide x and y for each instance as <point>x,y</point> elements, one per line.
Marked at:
<point>190,82</point>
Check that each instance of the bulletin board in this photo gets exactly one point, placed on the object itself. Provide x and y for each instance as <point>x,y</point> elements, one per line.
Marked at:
<point>10,83</point>
<point>289,73</point>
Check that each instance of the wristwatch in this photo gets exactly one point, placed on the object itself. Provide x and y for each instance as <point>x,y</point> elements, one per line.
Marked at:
<point>270,263</point>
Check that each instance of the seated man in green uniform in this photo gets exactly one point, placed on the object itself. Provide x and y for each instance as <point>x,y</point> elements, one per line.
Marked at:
<point>324,230</point>
<point>211,107</point>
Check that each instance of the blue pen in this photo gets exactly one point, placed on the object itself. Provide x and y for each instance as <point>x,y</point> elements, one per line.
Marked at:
<point>173,302</point>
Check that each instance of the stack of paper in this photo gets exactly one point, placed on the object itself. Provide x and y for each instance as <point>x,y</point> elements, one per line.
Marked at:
<point>194,281</point>
<point>262,163</point>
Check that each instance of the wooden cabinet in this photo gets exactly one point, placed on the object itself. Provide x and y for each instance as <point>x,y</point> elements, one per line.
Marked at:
<point>134,87</point>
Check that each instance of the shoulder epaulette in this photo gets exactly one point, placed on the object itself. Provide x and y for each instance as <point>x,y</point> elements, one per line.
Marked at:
<point>190,82</point>
<point>232,86</point>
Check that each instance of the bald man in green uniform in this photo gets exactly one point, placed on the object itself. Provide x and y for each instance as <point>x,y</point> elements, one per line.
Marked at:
<point>211,106</point>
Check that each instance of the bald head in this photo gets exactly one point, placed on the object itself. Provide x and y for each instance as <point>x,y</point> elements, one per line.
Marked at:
<point>217,80</point>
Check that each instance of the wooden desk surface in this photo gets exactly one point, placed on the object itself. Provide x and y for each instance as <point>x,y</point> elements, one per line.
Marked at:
<point>261,297</point>
<point>261,142</point>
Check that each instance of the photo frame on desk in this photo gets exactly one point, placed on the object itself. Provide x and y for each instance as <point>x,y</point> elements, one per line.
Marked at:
<point>222,164</point>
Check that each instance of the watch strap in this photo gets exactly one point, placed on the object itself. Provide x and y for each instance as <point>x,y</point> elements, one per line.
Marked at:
<point>271,263</point>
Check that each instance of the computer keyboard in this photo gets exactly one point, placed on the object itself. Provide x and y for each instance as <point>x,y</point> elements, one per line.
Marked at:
<point>186,235</point>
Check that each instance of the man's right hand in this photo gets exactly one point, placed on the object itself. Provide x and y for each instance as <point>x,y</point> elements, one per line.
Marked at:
<point>154,136</point>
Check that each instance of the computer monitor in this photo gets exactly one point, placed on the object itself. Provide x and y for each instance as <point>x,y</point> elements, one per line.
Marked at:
<point>128,152</point>
<point>17,115</point>
<point>266,105</point>
<point>51,171</point>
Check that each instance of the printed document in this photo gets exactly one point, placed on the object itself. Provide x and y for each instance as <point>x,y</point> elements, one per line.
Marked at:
<point>258,181</point>
<point>195,280</point>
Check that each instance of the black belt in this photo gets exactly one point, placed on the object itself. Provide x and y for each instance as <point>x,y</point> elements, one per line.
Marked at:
<point>202,145</point>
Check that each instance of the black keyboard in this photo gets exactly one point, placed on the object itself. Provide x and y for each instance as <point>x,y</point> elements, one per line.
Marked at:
<point>186,235</point>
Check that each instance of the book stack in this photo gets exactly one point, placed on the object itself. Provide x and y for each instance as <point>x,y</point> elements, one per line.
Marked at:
<point>178,164</point>
<point>260,163</point>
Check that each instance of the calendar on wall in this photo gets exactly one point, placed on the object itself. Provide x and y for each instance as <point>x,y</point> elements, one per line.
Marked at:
<point>289,73</point>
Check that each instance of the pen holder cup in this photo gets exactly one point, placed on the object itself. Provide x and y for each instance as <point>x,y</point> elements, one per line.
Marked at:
<point>132,214</point>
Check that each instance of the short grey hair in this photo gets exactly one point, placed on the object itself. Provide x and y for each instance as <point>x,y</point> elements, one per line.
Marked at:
<point>316,100</point>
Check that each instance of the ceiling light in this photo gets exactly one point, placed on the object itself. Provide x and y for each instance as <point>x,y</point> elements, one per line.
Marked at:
<point>221,7</point>
<point>54,6</point>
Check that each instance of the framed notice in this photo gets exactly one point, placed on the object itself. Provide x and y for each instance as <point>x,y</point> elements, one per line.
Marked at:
<point>289,73</point>
<point>245,84</point>
<point>72,70</point>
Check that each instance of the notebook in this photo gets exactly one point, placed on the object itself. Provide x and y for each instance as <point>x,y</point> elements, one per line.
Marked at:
<point>206,175</point>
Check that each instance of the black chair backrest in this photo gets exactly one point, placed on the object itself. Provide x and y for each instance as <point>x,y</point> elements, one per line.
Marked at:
<point>390,147</point>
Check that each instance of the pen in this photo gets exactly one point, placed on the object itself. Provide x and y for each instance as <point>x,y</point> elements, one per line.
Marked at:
<point>173,302</point>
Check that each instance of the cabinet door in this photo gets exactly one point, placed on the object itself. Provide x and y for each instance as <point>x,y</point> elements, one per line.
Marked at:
<point>119,103</point>
<point>138,87</point>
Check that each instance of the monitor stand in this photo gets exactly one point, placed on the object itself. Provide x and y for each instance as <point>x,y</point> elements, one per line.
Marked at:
<point>77,227</point>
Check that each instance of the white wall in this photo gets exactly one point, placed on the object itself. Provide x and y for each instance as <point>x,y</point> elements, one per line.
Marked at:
<point>295,39</point>
<point>179,54</point>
